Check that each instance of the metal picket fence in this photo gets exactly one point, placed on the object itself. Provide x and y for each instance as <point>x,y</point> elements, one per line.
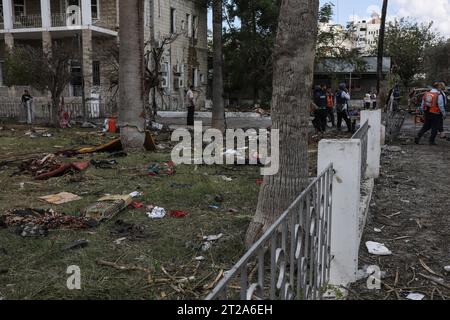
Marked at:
<point>292,259</point>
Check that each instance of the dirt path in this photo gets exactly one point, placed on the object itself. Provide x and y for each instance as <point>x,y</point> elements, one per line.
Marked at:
<point>411,206</point>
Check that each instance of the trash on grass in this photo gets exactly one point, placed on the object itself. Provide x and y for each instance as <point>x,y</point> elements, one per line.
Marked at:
<point>37,222</point>
<point>415,296</point>
<point>201,258</point>
<point>227,179</point>
<point>378,249</point>
<point>126,230</point>
<point>120,240</point>
<point>107,207</point>
<point>213,237</point>
<point>157,213</point>
<point>165,168</point>
<point>215,207</point>
<point>60,198</point>
<point>104,164</point>
<point>76,245</point>
<point>136,194</point>
<point>447,268</point>
<point>178,214</point>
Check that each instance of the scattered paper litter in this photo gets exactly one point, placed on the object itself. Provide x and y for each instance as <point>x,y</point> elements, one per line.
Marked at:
<point>415,296</point>
<point>378,249</point>
<point>157,213</point>
<point>60,198</point>
<point>213,237</point>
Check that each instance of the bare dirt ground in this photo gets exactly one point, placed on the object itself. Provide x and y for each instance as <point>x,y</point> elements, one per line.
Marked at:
<point>411,207</point>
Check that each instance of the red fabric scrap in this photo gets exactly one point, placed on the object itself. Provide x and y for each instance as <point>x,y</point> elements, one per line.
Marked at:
<point>178,214</point>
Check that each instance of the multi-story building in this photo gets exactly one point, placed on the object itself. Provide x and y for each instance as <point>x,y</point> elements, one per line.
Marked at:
<point>92,26</point>
<point>365,33</point>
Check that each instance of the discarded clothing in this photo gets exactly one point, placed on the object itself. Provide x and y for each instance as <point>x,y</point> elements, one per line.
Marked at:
<point>37,222</point>
<point>104,164</point>
<point>157,213</point>
<point>165,168</point>
<point>49,167</point>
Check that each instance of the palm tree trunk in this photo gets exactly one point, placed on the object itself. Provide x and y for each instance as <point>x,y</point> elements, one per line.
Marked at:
<point>294,56</point>
<point>131,74</point>
<point>218,112</point>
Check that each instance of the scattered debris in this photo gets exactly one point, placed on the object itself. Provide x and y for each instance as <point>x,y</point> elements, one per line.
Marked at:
<point>137,205</point>
<point>104,164</point>
<point>178,214</point>
<point>215,207</point>
<point>49,167</point>
<point>231,210</point>
<point>213,237</point>
<point>200,258</point>
<point>424,265</point>
<point>165,168</point>
<point>227,179</point>
<point>377,230</point>
<point>206,246</point>
<point>378,249</point>
<point>219,198</point>
<point>157,213</point>
<point>107,207</point>
<point>120,240</point>
<point>61,198</point>
<point>447,268</point>
<point>130,231</point>
<point>37,222</point>
<point>136,194</point>
<point>415,296</point>
<point>76,245</point>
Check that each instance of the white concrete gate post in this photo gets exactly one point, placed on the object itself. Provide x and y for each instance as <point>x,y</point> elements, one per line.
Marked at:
<point>345,155</point>
<point>374,142</point>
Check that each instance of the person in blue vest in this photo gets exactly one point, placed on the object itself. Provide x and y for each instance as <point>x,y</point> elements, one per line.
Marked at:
<point>342,107</point>
<point>320,99</point>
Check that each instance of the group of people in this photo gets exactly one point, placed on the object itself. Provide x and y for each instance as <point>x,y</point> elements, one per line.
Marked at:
<point>433,108</point>
<point>327,103</point>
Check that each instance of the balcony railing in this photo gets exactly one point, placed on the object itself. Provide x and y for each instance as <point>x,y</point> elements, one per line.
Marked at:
<point>28,21</point>
<point>65,19</point>
<point>108,22</point>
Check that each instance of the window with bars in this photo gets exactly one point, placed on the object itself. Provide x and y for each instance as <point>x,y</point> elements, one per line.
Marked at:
<point>96,73</point>
<point>19,8</point>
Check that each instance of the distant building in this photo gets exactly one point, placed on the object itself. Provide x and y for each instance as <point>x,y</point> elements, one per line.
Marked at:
<point>365,33</point>
<point>359,79</point>
<point>91,26</point>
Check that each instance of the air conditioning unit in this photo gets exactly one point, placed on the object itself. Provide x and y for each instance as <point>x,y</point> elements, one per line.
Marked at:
<point>179,83</point>
<point>164,82</point>
<point>179,68</point>
<point>163,68</point>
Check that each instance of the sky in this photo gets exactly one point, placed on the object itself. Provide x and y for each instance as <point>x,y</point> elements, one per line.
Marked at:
<point>421,10</point>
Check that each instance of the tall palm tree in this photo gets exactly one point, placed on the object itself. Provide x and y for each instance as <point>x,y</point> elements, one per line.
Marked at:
<point>218,114</point>
<point>131,74</point>
<point>294,57</point>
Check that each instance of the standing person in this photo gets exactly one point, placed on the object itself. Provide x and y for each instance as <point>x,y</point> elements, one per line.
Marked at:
<point>27,102</point>
<point>342,106</point>
<point>320,99</point>
<point>433,106</point>
<point>330,106</point>
<point>441,124</point>
<point>367,101</point>
<point>190,97</point>
<point>373,96</point>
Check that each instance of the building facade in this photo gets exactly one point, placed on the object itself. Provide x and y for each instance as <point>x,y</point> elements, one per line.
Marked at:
<point>365,33</point>
<point>92,28</point>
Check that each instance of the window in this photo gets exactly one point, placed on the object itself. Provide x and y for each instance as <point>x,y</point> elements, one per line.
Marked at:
<point>76,79</point>
<point>173,21</point>
<point>19,8</point>
<point>95,9</point>
<point>189,25</point>
<point>96,73</point>
<point>1,73</point>
<point>194,27</point>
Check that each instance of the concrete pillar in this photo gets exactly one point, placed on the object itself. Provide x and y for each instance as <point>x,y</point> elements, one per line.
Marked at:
<point>7,14</point>
<point>9,40</point>
<point>46,41</point>
<point>345,155</point>
<point>383,135</point>
<point>46,14</point>
<point>374,142</point>
<point>86,13</point>
<point>87,61</point>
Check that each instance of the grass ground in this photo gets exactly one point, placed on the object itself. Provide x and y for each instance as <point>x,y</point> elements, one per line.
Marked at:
<point>36,268</point>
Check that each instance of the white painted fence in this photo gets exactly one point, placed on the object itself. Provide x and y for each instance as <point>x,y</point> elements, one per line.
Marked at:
<point>352,190</point>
